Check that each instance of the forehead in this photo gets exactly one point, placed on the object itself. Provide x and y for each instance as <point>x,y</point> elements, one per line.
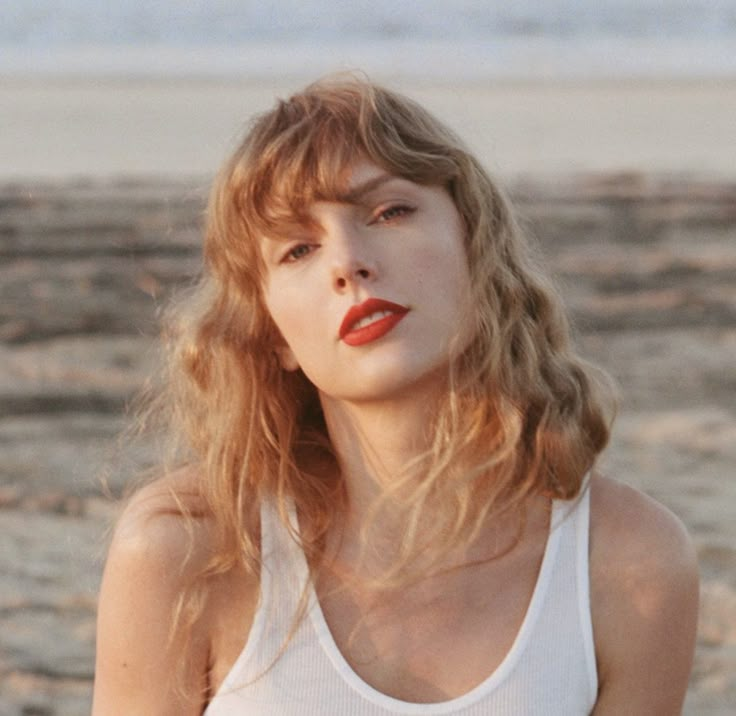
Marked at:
<point>359,180</point>
<point>363,172</point>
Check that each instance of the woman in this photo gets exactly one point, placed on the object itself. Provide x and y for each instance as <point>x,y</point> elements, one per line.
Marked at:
<point>387,502</point>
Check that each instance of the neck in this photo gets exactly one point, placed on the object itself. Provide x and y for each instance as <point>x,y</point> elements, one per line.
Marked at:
<point>374,442</point>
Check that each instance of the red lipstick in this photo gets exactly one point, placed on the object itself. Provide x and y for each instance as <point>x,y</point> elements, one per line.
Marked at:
<point>354,334</point>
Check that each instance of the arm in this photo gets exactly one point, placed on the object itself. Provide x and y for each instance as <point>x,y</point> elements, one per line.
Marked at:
<point>135,669</point>
<point>644,600</point>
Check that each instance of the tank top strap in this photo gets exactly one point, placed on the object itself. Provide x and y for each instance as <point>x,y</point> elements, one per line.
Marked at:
<point>582,575</point>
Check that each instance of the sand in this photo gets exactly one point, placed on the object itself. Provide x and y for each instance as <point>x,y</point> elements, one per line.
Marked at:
<point>630,187</point>
<point>57,128</point>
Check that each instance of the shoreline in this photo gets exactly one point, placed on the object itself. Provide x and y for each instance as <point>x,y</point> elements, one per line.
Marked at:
<point>466,52</point>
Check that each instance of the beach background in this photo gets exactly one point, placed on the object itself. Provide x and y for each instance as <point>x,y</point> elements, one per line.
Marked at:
<point>612,124</point>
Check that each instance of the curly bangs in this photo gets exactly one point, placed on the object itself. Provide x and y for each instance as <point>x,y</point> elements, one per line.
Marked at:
<point>300,151</point>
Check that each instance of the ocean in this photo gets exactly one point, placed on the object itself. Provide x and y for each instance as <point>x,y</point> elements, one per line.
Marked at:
<point>430,39</point>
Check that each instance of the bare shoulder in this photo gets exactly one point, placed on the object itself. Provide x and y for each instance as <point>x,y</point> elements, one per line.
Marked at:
<point>644,601</point>
<point>165,521</point>
<point>632,531</point>
<point>162,542</point>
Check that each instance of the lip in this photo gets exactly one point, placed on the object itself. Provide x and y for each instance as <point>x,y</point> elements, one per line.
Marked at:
<point>375,330</point>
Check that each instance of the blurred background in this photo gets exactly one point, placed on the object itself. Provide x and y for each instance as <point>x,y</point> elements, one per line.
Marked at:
<point>611,123</point>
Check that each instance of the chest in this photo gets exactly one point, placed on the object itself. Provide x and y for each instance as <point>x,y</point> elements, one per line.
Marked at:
<point>519,643</point>
<point>438,640</point>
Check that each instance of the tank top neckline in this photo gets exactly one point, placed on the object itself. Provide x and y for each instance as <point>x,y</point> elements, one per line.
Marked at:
<point>487,685</point>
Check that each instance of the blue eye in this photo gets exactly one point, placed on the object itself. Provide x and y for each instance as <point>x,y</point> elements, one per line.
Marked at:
<point>297,252</point>
<point>394,212</point>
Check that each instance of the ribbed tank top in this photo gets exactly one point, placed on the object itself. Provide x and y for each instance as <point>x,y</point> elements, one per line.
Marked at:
<point>550,669</point>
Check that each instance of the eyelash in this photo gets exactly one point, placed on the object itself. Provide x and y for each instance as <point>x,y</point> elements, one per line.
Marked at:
<point>290,257</point>
<point>402,209</point>
<point>387,215</point>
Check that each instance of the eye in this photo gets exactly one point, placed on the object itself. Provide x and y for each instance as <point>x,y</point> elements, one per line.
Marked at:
<point>396,211</point>
<point>297,252</point>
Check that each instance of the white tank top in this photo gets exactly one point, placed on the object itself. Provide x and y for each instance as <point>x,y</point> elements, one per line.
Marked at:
<point>550,669</point>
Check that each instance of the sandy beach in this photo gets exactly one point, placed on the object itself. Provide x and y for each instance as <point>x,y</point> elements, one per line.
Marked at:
<point>61,128</point>
<point>630,188</point>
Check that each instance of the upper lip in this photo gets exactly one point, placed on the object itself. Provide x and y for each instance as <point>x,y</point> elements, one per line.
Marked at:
<point>369,306</point>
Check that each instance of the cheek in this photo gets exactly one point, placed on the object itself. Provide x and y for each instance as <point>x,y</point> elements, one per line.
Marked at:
<point>291,313</point>
<point>277,307</point>
<point>445,267</point>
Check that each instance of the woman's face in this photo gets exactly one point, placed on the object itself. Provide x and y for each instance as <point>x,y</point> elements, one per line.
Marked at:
<point>370,302</point>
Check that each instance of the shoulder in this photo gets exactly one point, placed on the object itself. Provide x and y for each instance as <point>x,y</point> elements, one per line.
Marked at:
<point>154,553</point>
<point>164,522</point>
<point>162,542</point>
<point>163,535</point>
<point>644,600</point>
<point>635,537</point>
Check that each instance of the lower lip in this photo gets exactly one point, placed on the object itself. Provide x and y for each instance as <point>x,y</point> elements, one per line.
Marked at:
<point>373,331</point>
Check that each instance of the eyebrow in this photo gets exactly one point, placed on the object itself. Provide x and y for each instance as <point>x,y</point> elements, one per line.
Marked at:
<point>356,193</point>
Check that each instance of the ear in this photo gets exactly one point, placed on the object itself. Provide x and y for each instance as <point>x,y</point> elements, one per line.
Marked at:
<point>287,359</point>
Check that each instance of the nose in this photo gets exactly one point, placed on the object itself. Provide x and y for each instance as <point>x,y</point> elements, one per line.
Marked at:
<point>345,275</point>
<point>352,262</point>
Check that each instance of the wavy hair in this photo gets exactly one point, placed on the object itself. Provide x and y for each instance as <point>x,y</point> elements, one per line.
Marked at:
<point>523,414</point>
